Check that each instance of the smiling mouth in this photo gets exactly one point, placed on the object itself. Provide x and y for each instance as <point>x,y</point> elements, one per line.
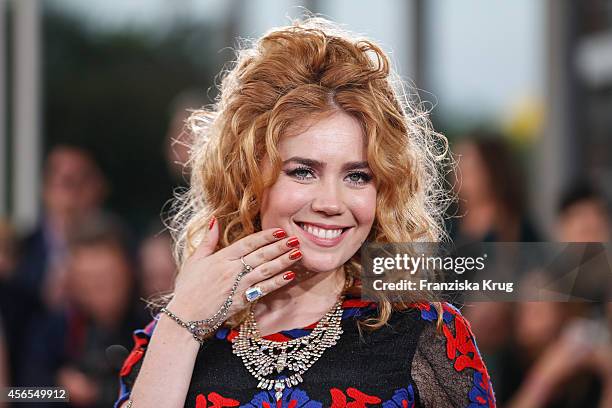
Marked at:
<point>322,233</point>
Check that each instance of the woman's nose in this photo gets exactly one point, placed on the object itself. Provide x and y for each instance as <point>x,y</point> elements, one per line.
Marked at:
<point>328,199</point>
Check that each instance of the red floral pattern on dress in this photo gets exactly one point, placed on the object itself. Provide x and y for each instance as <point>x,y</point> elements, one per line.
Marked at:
<point>216,400</point>
<point>360,399</point>
<point>460,346</point>
<point>135,355</point>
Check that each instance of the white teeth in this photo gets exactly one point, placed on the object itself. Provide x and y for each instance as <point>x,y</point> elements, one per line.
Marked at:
<point>321,232</point>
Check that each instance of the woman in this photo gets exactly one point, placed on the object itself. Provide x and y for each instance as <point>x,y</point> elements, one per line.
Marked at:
<point>308,155</point>
<point>491,193</point>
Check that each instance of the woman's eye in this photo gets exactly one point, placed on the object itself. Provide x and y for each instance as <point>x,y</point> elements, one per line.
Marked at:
<point>359,177</point>
<point>305,173</point>
<point>301,173</point>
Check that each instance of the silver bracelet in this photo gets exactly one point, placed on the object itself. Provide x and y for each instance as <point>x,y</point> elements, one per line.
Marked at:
<point>200,328</point>
<point>190,327</point>
<point>219,316</point>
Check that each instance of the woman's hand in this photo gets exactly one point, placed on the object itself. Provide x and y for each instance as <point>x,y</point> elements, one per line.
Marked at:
<point>206,279</point>
<point>580,348</point>
<point>83,390</point>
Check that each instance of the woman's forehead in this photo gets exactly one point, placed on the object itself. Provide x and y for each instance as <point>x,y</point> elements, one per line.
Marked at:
<point>337,134</point>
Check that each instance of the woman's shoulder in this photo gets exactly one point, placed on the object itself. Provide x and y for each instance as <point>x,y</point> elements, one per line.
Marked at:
<point>447,367</point>
<point>430,312</point>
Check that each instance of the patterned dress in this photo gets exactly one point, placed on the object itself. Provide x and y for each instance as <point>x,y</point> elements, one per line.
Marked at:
<point>407,363</point>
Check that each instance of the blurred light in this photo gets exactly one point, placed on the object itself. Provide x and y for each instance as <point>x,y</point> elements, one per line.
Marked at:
<point>525,120</point>
<point>594,59</point>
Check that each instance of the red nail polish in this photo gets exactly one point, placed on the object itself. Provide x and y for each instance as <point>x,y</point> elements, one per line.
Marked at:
<point>211,224</point>
<point>279,233</point>
<point>295,254</point>
<point>293,242</point>
<point>289,275</point>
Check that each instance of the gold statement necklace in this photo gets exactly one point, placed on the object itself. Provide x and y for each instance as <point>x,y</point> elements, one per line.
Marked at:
<point>262,357</point>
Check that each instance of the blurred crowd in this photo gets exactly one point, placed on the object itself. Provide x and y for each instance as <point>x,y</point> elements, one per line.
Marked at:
<point>539,354</point>
<point>75,285</point>
<point>80,281</point>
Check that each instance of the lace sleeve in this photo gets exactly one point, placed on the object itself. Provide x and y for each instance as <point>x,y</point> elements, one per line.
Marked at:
<point>447,368</point>
<point>133,362</point>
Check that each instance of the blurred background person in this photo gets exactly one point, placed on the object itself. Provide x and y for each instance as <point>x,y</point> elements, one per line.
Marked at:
<point>74,189</point>
<point>563,357</point>
<point>490,189</point>
<point>67,347</point>
<point>157,265</point>
<point>583,216</point>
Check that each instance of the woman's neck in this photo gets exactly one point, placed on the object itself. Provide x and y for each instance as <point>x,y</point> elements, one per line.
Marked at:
<point>302,302</point>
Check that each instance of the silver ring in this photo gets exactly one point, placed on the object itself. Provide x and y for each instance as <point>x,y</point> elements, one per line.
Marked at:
<point>253,293</point>
<point>246,267</point>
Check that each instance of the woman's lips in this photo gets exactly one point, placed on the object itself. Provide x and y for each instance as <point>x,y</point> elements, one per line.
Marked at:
<point>324,242</point>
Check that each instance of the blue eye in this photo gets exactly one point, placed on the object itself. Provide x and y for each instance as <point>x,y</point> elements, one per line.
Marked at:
<point>301,173</point>
<point>359,177</point>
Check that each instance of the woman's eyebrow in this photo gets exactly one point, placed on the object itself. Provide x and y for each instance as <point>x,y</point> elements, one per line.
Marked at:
<point>356,165</point>
<point>317,164</point>
<point>305,161</point>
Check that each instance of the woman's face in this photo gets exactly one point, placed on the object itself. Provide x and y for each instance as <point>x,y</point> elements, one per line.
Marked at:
<point>473,182</point>
<point>325,194</point>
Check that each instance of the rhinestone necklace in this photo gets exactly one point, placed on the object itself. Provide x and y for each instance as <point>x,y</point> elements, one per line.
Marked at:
<point>262,357</point>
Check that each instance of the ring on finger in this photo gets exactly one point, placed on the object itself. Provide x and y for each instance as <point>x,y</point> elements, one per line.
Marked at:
<point>253,293</point>
<point>246,267</point>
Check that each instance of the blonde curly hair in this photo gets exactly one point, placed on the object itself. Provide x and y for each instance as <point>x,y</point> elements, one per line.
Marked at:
<point>308,68</point>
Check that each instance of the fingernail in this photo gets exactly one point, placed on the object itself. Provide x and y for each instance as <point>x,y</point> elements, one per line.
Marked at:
<point>211,224</point>
<point>289,275</point>
<point>293,242</point>
<point>279,233</point>
<point>295,254</point>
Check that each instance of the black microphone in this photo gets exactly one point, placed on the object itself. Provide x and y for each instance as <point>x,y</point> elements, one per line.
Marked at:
<point>116,355</point>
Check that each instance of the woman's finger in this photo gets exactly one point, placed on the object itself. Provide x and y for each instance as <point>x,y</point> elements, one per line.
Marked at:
<point>268,269</point>
<point>271,251</point>
<point>270,285</point>
<point>209,243</point>
<point>252,242</point>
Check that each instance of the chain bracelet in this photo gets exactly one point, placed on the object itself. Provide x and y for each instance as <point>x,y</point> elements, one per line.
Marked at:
<point>212,323</point>
<point>226,305</point>
<point>215,321</point>
<point>182,324</point>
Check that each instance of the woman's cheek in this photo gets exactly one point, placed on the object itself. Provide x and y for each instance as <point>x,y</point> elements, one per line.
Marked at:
<point>363,206</point>
<point>292,196</point>
<point>284,199</point>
